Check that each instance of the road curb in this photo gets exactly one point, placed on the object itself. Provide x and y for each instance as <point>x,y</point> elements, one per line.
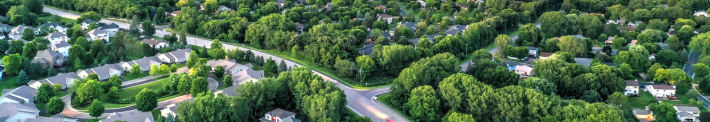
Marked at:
<point>387,107</point>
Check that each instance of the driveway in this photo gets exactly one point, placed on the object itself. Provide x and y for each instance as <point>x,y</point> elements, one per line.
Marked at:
<point>355,101</point>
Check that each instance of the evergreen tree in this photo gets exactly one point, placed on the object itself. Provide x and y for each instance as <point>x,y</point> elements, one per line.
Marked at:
<point>228,80</point>
<point>282,66</point>
<point>51,71</point>
<point>22,79</point>
<point>134,28</point>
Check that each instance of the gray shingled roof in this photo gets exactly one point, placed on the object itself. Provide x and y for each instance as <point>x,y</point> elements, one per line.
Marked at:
<point>131,116</point>
<point>642,112</point>
<point>181,53</point>
<point>244,75</point>
<point>110,26</point>
<point>153,42</point>
<point>687,108</point>
<point>61,44</point>
<point>21,28</point>
<point>410,25</point>
<point>226,64</point>
<point>105,69</point>
<point>50,119</point>
<point>89,21</point>
<point>584,61</point>
<point>667,87</point>
<point>146,62</point>
<point>96,32</point>
<point>10,109</point>
<point>56,35</point>
<point>63,78</point>
<point>281,113</point>
<point>632,83</point>
<point>5,25</point>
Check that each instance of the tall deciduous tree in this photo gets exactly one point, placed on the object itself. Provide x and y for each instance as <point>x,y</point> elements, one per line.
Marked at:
<point>146,100</point>
<point>96,108</point>
<point>89,91</point>
<point>572,45</point>
<point>424,104</point>
<point>502,42</point>
<point>44,94</point>
<point>199,85</point>
<point>148,28</point>
<point>54,106</point>
<point>219,71</point>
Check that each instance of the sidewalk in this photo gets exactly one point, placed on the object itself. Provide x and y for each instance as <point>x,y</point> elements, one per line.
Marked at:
<point>136,82</point>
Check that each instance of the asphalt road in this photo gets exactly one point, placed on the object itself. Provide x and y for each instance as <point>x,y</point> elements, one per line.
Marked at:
<point>692,59</point>
<point>362,105</point>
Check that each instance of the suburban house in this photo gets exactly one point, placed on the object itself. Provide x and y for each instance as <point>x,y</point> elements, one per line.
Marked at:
<point>544,55</point>
<point>454,29</point>
<point>620,21</point>
<point>222,8</point>
<point>385,17</point>
<point>632,88</point>
<point>701,13</point>
<point>247,75</point>
<point>61,47</point>
<point>97,34</point>
<point>411,25</point>
<point>174,13</point>
<point>279,115</point>
<point>169,109</point>
<point>23,95</point>
<point>58,27</point>
<point>230,66</point>
<point>48,58</point>
<point>532,51</point>
<point>384,8</point>
<point>15,112</point>
<point>104,71</point>
<point>609,40</point>
<point>57,37</point>
<point>64,79</point>
<point>688,113</point>
<point>176,56</point>
<point>643,115</point>
<point>5,27</point>
<point>584,61</point>
<point>634,24</point>
<point>524,71</point>
<point>110,28</point>
<point>85,24</point>
<point>660,90</point>
<point>16,32</point>
<point>129,116</point>
<point>50,119</point>
<point>155,43</point>
<point>633,42</point>
<point>144,63</point>
<point>2,36</point>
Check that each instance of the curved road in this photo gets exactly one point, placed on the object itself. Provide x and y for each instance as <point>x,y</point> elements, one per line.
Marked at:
<point>359,100</point>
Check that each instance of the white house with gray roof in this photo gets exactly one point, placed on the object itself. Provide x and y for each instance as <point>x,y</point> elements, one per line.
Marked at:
<point>230,66</point>
<point>104,72</point>
<point>23,95</point>
<point>110,28</point>
<point>50,119</point>
<point>155,43</point>
<point>57,37</point>
<point>64,79</point>
<point>61,47</point>
<point>130,116</point>
<point>56,26</point>
<point>144,63</point>
<point>15,112</point>
<point>176,56</point>
<point>247,75</point>
<point>97,34</point>
<point>85,24</point>
<point>16,32</point>
<point>279,115</point>
<point>454,29</point>
<point>5,27</point>
<point>687,113</point>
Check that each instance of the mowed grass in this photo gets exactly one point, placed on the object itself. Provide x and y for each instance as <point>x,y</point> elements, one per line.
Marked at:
<point>133,91</point>
<point>135,76</point>
<point>642,101</point>
<point>9,83</point>
<point>52,19</point>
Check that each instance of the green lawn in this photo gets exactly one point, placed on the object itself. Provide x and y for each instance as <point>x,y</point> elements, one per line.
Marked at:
<point>179,65</point>
<point>156,114</point>
<point>131,57</point>
<point>384,98</point>
<point>642,101</point>
<point>9,83</point>
<point>133,91</point>
<point>93,120</point>
<point>134,76</point>
<point>53,18</point>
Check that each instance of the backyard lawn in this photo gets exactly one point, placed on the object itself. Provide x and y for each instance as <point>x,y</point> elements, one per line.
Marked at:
<point>131,92</point>
<point>642,101</point>
<point>9,82</point>
<point>135,76</point>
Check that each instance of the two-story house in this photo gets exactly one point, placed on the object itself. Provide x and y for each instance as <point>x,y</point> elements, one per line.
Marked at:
<point>97,34</point>
<point>16,32</point>
<point>48,58</point>
<point>104,72</point>
<point>632,88</point>
<point>660,90</point>
<point>385,17</point>
<point>61,47</point>
<point>279,115</point>
<point>63,79</point>
<point>56,26</point>
<point>110,28</point>
<point>177,56</point>
<point>643,115</point>
<point>687,113</point>
<point>85,24</point>
<point>57,37</point>
<point>155,43</point>
<point>524,71</point>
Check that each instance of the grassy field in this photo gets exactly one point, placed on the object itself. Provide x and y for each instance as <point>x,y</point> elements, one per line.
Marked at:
<point>53,18</point>
<point>9,82</point>
<point>135,76</point>
<point>384,98</point>
<point>133,91</point>
<point>642,101</point>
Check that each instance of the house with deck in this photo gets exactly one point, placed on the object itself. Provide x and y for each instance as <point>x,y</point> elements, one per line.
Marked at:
<point>104,72</point>
<point>48,58</point>
<point>661,90</point>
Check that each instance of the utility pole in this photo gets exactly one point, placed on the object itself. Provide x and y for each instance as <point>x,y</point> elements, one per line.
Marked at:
<point>361,77</point>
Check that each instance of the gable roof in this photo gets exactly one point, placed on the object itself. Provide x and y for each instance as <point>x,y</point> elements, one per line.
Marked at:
<point>177,54</point>
<point>110,26</point>
<point>21,28</point>
<point>63,78</point>
<point>89,21</point>
<point>61,44</point>
<point>96,31</point>
<point>46,54</point>
<point>632,83</point>
<point>24,92</point>
<point>146,62</point>
<point>153,42</point>
<point>5,25</point>
<point>50,119</point>
<point>523,68</point>
<point>11,109</point>
<point>244,75</point>
<point>584,61</point>
<point>545,54</point>
<point>226,64</point>
<point>666,87</point>
<point>105,69</point>
<point>384,16</point>
<point>55,35</point>
<point>410,25</point>
<point>278,112</point>
<point>131,116</point>
<point>641,112</point>
<point>686,108</point>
